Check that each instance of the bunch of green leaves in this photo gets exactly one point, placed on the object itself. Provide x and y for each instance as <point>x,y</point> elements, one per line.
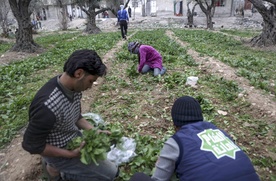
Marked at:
<point>97,144</point>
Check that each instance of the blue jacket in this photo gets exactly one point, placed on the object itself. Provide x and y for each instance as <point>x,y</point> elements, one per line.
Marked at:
<point>208,154</point>
<point>122,15</point>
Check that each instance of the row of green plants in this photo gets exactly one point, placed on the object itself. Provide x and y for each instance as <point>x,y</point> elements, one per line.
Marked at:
<point>255,65</point>
<point>140,103</point>
<point>241,33</point>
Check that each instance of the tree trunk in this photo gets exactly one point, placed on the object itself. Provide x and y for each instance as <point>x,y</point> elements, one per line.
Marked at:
<point>207,11</point>
<point>91,27</point>
<point>213,10</point>
<point>63,18</point>
<point>209,21</point>
<point>268,35</point>
<point>24,37</point>
<point>143,10</point>
<point>4,10</point>
<point>5,29</point>
<point>190,14</point>
<point>190,18</point>
<point>62,15</point>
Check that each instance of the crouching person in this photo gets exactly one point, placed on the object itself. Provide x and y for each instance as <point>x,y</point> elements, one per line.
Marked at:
<point>199,150</point>
<point>149,59</point>
<point>55,119</point>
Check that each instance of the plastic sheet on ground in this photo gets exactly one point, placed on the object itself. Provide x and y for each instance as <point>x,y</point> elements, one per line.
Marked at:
<point>123,152</point>
<point>95,117</point>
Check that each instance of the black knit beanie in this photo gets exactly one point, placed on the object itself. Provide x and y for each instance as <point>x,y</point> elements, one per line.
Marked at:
<point>186,110</point>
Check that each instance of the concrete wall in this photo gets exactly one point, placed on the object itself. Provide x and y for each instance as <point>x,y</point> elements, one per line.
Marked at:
<point>168,7</point>
<point>219,11</point>
<point>165,5</point>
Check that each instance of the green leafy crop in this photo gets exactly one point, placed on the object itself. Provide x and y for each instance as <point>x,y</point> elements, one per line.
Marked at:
<point>97,144</point>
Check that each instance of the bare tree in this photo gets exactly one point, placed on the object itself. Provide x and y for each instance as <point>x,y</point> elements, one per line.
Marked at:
<point>89,7</point>
<point>267,8</point>
<point>24,37</point>
<point>62,14</point>
<point>115,5</point>
<point>143,7</point>
<point>207,7</point>
<point>190,13</point>
<point>4,11</point>
<point>92,8</point>
<point>36,7</point>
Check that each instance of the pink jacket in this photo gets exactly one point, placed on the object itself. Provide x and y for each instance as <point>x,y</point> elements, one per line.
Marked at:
<point>149,56</point>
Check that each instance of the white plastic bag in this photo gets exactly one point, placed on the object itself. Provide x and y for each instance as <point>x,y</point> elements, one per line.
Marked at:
<point>123,152</point>
<point>95,117</point>
<point>192,81</point>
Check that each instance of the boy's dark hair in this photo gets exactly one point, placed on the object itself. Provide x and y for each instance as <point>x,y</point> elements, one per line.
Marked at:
<point>85,59</point>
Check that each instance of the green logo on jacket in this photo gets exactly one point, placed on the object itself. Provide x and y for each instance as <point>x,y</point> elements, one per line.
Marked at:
<point>215,141</point>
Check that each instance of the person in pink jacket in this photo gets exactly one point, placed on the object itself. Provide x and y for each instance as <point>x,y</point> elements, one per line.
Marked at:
<point>148,57</point>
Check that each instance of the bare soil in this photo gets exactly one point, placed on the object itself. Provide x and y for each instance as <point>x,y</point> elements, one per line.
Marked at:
<point>16,164</point>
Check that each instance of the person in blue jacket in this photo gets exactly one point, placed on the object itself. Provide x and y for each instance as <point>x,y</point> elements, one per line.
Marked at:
<point>123,19</point>
<point>199,150</point>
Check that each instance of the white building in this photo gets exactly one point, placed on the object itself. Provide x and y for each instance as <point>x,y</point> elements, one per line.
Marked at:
<point>150,8</point>
<point>179,7</point>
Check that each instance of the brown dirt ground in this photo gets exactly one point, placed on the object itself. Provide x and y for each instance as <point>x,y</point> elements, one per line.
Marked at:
<point>16,164</point>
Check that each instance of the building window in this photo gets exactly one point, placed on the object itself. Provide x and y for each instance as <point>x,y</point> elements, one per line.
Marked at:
<point>220,3</point>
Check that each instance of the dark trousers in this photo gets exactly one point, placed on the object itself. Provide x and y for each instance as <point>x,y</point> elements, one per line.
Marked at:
<point>123,25</point>
<point>139,176</point>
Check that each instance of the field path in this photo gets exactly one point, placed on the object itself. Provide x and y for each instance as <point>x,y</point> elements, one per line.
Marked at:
<point>259,100</point>
<point>107,59</point>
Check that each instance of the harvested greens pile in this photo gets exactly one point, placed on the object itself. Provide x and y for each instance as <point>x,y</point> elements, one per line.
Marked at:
<point>97,144</point>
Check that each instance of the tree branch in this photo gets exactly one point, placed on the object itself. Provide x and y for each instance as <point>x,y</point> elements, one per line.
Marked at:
<point>271,1</point>
<point>259,5</point>
<point>103,10</point>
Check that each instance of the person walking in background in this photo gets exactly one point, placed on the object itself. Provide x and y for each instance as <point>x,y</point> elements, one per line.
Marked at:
<point>129,11</point>
<point>39,23</point>
<point>149,58</point>
<point>123,20</point>
<point>199,150</point>
<point>55,119</point>
<point>34,23</point>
